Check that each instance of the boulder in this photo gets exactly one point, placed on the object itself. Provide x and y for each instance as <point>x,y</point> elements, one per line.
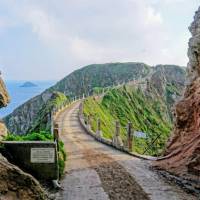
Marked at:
<point>15,184</point>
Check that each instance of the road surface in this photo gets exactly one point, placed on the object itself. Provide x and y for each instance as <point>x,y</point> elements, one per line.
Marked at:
<point>95,171</point>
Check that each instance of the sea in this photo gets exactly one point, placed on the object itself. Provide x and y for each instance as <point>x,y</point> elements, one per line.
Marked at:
<point>20,95</point>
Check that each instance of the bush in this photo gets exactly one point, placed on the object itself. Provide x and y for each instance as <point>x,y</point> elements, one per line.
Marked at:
<point>62,156</point>
<point>41,136</point>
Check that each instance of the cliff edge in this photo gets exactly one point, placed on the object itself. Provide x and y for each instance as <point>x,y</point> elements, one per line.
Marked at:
<point>182,154</point>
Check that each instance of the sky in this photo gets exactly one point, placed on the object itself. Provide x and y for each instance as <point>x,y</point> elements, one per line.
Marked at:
<point>48,39</point>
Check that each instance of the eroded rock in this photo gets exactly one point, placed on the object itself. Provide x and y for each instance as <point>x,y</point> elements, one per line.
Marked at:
<point>4,100</point>
<point>3,130</point>
<point>15,184</point>
<point>182,154</point>
<point>4,97</point>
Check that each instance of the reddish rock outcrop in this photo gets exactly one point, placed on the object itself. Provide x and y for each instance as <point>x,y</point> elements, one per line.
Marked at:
<point>182,154</point>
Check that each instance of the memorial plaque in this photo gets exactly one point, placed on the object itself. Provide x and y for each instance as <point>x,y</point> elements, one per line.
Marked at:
<point>42,155</point>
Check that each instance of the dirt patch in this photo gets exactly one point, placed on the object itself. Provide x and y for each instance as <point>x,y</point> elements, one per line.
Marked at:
<point>116,181</point>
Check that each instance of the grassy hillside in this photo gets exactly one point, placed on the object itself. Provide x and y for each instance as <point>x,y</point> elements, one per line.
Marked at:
<point>126,104</point>
<point>42,121</point>
<point>100,75</point>
<point>90,79</point>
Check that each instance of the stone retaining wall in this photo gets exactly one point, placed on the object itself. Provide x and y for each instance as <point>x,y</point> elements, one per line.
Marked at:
<point>39,158</point>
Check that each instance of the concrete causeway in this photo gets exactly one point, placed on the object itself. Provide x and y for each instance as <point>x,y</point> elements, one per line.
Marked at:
<point>95,171</point>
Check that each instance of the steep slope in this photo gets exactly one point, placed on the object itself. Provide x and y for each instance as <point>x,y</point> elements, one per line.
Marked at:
<point>79,82</point>
<point>41,120</point>
<point>182,155</point>
<point>146,103</point>
<point>100,75</point>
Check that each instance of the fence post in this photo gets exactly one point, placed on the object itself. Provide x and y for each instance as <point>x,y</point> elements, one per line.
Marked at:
<point>52,122</point>
<point>117,141</point>
<point>129,136</point>
<point>56,134</point>
<point>99,128</point>
<point>81,109</point>
<point>89,122</point>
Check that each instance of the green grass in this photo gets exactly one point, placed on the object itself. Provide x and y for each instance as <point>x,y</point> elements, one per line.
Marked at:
<point>42,121</point>
<point>42,136</point>
<point>147,114</point>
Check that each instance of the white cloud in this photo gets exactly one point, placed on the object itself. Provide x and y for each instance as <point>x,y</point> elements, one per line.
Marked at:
<point>83,31</point>
<point>153,17</point>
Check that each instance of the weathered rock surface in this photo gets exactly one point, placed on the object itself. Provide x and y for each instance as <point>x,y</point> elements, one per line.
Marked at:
<point>3,130</point>
<point>14,183</point>
<point>4,98</point>
<point>182,154</point>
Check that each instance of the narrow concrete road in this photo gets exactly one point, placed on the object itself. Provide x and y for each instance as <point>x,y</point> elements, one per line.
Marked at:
<point>97,172</point>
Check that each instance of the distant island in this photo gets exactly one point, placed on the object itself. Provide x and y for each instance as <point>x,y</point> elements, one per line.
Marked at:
<point>28,84</point>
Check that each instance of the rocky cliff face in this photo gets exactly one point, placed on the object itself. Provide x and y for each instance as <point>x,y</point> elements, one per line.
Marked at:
<point>14,183</point>
<point>4,98</point>
<point>182,154</point>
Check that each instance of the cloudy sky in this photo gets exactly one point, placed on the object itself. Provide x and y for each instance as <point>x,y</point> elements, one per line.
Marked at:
<point>47,39</point>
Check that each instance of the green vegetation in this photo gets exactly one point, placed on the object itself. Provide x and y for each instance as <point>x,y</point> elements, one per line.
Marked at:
<point>147,114</point>
<point>97,76</point>
<point>41,126</point>
<point>43,118</point>
<point>62,157</point>
<point>42,136</point>
<point>86,80</point>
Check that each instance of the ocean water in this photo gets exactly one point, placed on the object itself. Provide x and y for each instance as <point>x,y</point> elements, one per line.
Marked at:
<point>19,95</point>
